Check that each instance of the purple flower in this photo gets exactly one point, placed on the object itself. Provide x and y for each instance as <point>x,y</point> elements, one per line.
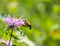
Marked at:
<point>8,20</point>
<point>19,22</point>
<point>13,21</point>
<point>6,42</point>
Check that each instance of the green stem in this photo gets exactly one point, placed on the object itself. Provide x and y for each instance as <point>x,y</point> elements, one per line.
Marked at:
<point>10,37</point>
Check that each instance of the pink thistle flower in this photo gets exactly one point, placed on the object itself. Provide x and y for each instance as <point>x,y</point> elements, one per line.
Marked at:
<point>19,22</point>
<point>8,20</point>
<point>13,21</point>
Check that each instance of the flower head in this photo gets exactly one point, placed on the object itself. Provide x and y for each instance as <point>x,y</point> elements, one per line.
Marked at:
<point>13,21</point>
<point>18,22</point>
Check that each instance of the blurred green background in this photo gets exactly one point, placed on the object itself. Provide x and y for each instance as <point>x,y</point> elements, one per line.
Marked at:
<point>44,16</point>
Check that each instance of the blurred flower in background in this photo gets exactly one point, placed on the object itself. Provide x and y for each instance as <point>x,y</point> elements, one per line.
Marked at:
<point>13,21</point>
<point>4,43</point>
